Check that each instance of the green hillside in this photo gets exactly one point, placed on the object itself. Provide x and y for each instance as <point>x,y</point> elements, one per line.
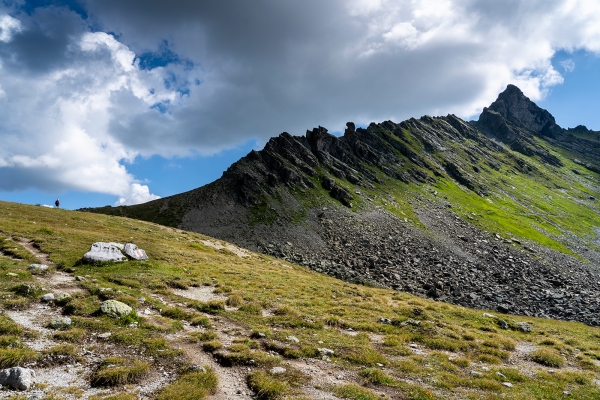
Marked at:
<point>203,302</point>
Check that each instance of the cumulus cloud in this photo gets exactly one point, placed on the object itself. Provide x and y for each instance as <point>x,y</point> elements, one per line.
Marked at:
<point>186,77</point>
<point>137,194</point>
<point>8,26</point>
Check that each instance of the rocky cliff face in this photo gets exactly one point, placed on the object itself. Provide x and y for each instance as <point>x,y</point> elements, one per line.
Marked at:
<point>393,205</point>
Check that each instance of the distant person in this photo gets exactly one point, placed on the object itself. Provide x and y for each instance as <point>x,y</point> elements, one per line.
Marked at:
<point>57,203</point>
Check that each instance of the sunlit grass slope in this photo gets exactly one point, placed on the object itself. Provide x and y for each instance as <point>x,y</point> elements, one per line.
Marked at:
<point>427,350</point>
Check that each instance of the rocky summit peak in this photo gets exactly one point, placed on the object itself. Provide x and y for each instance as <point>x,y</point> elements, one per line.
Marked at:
<point>518,109</point>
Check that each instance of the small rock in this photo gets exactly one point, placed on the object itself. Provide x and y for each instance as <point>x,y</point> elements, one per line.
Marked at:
<point>38,267</point>
<point>135,252</point>
<point>524,327</point>
<point>485,368</point>
<point>475,373</point>
<point>503,308</point>
<point>500,374</point>
<point>12,274</point>
<point>326,352</point>
<point>197,368</point>
<point>384,321</point>
<point>104,252</point>
<point>60,323</point>
<point>80,279</point>
<point>293,339</point>
<point>48,297</point>
<point>379,364</point>
<point>503,324</point>
<point>277,370</point>
<point>105,335</point>
<point>551,371</point>
<point>115,309</point>
<point>567,393</point>
<point>507,384</point>
<point>62,298</point>
<point>26,289</point>
<point>17,378</point>
<point>411,322</point>
<point>489,315</point>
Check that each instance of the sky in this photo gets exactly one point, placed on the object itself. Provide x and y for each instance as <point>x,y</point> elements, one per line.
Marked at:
<point>117,102</point>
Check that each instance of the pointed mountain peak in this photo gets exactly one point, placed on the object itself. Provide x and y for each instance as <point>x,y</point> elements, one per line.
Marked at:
<point>519,110</point>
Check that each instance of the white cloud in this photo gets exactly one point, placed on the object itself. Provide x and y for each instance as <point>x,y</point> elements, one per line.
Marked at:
<point>8,26</point>
<point>568,65</point>
<point>70,119</point>
<point>137,194</point>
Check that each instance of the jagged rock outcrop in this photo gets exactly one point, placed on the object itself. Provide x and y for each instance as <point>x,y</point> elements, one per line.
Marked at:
<point>515,120</point>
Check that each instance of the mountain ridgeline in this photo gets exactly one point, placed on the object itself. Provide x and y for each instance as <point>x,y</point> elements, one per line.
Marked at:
<point>499,213</point>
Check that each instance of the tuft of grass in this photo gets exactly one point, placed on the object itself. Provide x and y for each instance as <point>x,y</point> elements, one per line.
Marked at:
<point>548,358</point>
<point>9,327</point>
<point>247,357</point>
<point>73,335</point>
<point>115,371</point>
<point>354,392</point>
<point>191,386</point>
<point>200,320</point>
<point>211,346</point>
<point>378,377</point>
<point>235,300</point>
<point>175,313</point>
<point>363,356</point>
<point>14,357</point>
<point>60,354</point>
<point>267,386</point>
<point>275,386</point>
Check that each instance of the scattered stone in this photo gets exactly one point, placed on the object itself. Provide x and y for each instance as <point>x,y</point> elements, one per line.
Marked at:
<point>503,324</point>
<point>277,370</point>
<point>12,274</point>
<point>476,373</point>
<point>17,378</point>
<point>384,321</point>
<point>26,289</point>
<point>135,252</point>
<point>48,297</point>
<point>104,252</point>
<point>503,308</point>
<point>197,368</point>
<point>80,278</point>
<point>60,323</point>
<point>567,393</point>
<point>484,368</point>
<point>507,384</point>
<point>62,298</point>
<point>551,371</point>
<point>293,339</point>
<point>38,267</point>
<point>411,322</point>
<point>115,309</point>
<point>105,335</point>
<point>489,315</point>
<point>326,352</point>
<point>500,374</point>
<point>524,327</point>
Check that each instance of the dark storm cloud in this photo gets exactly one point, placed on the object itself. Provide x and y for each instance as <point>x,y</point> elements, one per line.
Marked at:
<point>43,43</point>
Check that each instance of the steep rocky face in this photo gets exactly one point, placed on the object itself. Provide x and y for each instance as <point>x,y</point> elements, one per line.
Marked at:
<point>516,108</point>
<point>515,120</point>
<point>365,207</point>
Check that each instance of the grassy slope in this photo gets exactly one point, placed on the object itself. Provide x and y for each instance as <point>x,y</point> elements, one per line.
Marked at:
<point>317,309</point>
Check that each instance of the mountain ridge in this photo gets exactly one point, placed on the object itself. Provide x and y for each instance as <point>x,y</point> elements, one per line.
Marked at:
<point>366,207</point>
